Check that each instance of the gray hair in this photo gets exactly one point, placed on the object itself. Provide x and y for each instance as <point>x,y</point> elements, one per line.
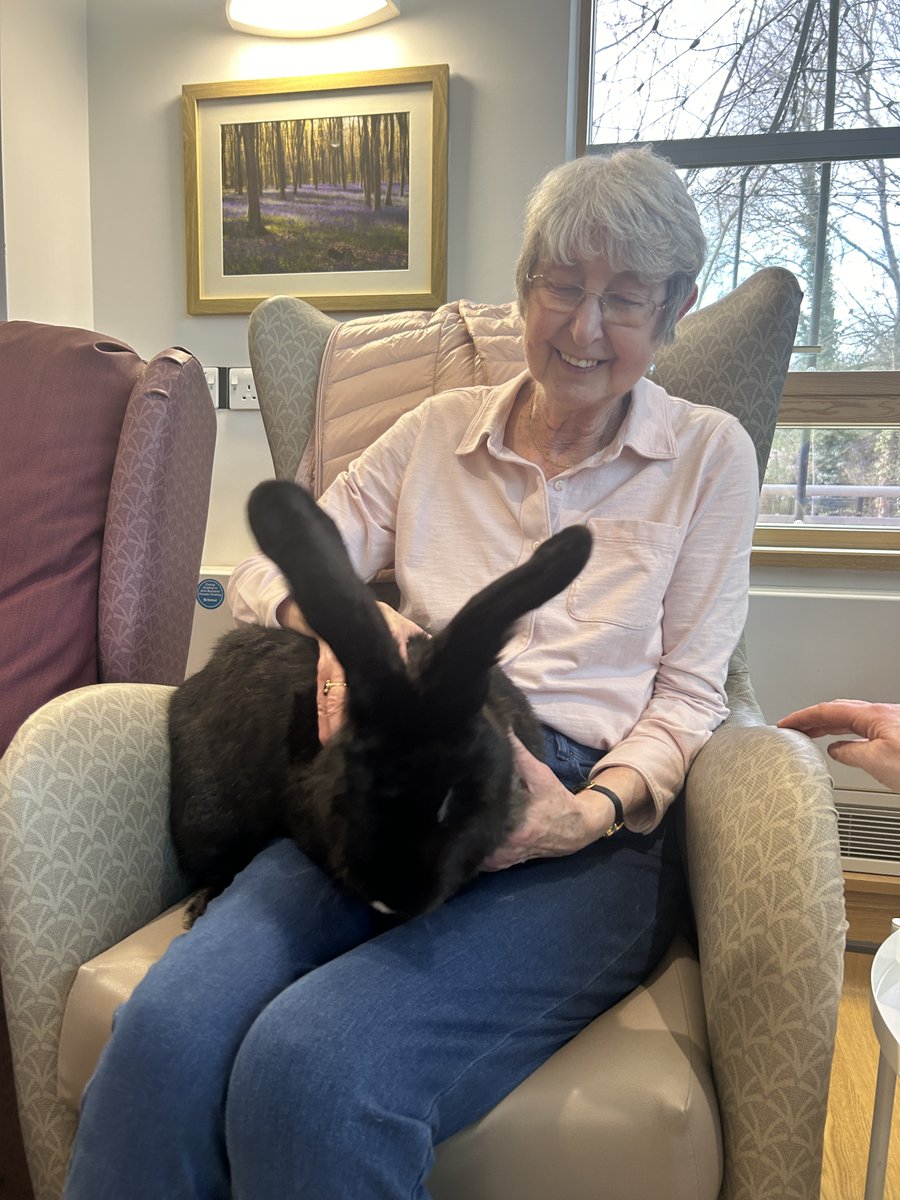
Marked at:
<point>632,208</point>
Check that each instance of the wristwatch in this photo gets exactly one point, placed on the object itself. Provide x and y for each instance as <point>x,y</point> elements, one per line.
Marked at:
<point>616,803</point>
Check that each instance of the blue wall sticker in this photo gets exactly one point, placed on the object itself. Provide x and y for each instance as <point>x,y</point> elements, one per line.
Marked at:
<point>210,593</point>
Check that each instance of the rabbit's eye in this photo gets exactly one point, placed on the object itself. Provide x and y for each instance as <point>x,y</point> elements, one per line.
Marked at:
<point>445,807</point>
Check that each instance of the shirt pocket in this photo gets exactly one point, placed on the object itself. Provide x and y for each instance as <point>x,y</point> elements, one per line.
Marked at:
<point>626,577</point>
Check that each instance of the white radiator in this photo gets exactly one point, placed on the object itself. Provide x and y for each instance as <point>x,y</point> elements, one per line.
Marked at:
<point>869,831</point>
<point>808,644</point>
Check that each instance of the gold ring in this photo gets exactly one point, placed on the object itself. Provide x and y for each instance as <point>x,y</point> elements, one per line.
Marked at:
<point>332,683</point>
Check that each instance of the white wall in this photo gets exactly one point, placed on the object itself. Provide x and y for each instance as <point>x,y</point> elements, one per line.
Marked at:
<point>816,635</point>
<point>508,93</point>
<point>46,177</point>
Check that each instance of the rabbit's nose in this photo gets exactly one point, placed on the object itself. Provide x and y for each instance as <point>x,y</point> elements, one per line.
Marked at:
<point>381,907</point>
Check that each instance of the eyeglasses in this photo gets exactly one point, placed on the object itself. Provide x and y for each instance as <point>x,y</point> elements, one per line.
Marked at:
<point>618,308</point>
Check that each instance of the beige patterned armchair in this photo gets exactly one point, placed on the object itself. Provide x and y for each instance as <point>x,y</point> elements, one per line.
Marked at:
<point>709,1081</point>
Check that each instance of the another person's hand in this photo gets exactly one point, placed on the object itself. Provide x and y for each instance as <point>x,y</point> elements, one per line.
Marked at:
<point>878,725</point>
<point>331,686</point>
<point>556,821</point>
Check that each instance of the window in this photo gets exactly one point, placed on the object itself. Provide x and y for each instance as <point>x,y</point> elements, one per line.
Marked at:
<point>783,117</point>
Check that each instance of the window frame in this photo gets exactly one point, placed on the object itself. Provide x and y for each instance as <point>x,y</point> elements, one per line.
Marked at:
<point>825,399</point>
<point>831,400</point>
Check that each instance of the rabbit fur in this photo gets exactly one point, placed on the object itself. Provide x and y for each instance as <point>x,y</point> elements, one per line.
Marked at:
<point>403,804</point>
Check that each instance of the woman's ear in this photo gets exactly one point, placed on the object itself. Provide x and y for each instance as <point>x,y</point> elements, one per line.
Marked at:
<point>688,304</point>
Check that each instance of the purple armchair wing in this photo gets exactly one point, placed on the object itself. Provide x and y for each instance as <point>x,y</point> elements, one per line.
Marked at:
<point>155,523</point>
<point>105,467</point>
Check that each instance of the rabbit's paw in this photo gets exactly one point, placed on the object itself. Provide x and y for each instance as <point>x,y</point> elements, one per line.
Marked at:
<point>197,906</point>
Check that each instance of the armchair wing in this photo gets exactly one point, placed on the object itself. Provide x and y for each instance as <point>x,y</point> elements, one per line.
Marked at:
<point>287,339</point>
<point>156,523</point>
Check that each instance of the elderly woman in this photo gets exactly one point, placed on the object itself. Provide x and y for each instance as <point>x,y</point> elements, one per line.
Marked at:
<point>298,1044</point>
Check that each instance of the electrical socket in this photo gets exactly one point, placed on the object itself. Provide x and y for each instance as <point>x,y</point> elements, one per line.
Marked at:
<point>241,388</point>
<point>212,382</point>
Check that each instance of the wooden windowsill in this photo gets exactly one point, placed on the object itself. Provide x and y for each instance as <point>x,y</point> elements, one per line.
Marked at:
<point>822,558</point>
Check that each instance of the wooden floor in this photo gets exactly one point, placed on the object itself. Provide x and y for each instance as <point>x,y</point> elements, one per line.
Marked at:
<point>853,1093</point>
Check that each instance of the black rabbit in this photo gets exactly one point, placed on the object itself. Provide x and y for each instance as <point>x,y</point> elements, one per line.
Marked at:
<point>417,788</point>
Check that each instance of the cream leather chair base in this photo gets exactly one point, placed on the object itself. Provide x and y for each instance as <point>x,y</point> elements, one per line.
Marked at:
<point>653,1072</point>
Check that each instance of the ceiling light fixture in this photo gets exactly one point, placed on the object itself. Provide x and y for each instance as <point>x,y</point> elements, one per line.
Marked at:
<point>307,18</point>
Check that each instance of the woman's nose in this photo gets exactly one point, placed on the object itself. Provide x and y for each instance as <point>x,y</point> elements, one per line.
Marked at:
<point>587,320</point>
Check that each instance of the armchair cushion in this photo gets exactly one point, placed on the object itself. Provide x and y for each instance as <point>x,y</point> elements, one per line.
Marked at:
<point>101,985</point>
<point>63,396</point>
<point>403,358</point>
<point>656,1074</point>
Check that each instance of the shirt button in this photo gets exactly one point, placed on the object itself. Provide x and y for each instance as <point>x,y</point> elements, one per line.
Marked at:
<point>557,485</point>
<point>535,545</point>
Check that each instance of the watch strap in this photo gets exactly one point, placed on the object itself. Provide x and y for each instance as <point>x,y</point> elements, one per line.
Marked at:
<point>616,803</point>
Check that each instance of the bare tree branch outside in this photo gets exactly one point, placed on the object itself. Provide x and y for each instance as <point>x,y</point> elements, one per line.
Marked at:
<point>784,116</point>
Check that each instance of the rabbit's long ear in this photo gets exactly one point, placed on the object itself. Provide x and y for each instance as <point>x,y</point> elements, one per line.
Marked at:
<point>305,544</point>
<point>456,678</point>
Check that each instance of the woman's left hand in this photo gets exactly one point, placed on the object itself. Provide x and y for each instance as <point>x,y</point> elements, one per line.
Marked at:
<point>556,821</point>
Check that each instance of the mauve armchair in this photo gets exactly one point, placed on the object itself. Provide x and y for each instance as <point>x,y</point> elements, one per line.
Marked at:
<point>105,468</point>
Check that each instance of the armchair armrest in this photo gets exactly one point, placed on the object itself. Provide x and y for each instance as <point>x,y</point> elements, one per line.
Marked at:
<point>766,883</point>
<point>85,858</point>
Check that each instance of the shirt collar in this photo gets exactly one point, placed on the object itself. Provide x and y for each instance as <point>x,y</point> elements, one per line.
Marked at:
<point>646,429</point>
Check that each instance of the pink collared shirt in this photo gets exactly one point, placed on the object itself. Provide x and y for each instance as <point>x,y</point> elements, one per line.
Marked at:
<point>632,657</point>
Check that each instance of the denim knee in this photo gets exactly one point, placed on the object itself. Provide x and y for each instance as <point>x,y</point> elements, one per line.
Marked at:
<point>317,1107</point>
<point>299,1062</point>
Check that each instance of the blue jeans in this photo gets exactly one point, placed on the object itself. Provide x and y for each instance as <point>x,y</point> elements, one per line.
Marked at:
<point>298,1044</point>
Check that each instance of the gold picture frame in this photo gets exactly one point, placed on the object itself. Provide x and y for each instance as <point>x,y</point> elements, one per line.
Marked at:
<point>356,218</point>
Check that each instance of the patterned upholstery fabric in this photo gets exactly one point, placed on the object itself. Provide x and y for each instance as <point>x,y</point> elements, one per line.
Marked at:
<point>286,369</point>
<point>734,354</point>
<point>156,523</point>
<point>63,395</point>
<point>85,860</point>
<point>766,883</point>
<point>105,467</point>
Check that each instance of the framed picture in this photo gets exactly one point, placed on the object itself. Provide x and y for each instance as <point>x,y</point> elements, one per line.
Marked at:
<point>332,188</point>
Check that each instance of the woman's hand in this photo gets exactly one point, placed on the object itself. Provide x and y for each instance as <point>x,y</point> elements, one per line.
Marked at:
<point>556,821</point>
<point>331,686</point>
<point>878,725</point>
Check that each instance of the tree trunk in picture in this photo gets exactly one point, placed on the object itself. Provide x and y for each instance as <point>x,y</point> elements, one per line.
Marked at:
<point>365,160</point>
<point>403,123</point>
<point>251,161</point>
<point>280,161</point>
<point>392,150</point>
<point>376,161</point>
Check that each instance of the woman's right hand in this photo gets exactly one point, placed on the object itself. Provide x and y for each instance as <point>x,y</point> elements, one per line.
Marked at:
<point>331,686</point>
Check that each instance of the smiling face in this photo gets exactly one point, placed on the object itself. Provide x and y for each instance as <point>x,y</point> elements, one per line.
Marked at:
<point>580,360</point>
